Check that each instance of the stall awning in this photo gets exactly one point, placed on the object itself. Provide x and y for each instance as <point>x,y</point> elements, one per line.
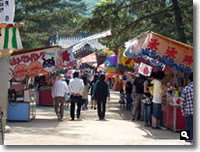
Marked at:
<point>89,59</point>
<point>158,49</point>
<point>10,38</point>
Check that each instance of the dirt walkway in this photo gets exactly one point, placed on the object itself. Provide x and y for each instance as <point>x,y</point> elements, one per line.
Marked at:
<point>117,129</point>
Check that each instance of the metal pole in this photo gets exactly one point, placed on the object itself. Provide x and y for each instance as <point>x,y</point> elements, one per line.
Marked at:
<point>2,129</point>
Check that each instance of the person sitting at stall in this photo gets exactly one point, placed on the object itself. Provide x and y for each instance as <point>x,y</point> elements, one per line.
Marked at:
<point>59,90</point>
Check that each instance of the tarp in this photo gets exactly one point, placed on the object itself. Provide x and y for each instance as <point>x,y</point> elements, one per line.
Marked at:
<point>158,49</point>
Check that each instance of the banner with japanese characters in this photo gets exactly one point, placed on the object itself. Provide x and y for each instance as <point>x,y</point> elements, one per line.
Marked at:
<point>7,11</point>
<point>31,63</point>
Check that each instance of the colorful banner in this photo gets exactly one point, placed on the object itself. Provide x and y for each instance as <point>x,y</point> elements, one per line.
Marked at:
<point>39,62</point>
<point>10,38</point>
<point>158,49</point>
<point>7,11</point>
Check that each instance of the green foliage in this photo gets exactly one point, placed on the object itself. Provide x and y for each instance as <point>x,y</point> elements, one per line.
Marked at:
<point>45,19</point>
<point>129,18</point>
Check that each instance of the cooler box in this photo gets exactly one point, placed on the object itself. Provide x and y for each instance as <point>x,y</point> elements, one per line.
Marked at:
<point>18,111</point>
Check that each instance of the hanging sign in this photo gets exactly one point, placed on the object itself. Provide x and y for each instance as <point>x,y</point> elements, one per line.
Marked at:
<point>7,11</point>
<point>145,69</point>
<point>67,58</point>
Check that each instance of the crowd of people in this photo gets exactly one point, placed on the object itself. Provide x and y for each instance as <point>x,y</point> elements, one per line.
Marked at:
<point>76,91</point>
<point>142,96</point>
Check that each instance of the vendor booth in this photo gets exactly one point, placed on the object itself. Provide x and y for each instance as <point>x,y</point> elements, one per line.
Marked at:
<point>31,79</point>
<point>172,57</point>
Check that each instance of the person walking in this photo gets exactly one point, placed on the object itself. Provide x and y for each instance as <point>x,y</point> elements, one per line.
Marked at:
<point>59,90</point>
<point>76,87</point>
<point>85,93</point>
<point>187,106</point>
<point>101,93</point>
<point>93,100</point>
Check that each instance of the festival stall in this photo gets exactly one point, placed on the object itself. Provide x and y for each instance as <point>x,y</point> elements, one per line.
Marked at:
<point>32,73</point>
<point>40,62</point>
<point>172,57</point>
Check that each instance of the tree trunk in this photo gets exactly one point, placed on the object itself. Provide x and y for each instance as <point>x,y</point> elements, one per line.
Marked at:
<point>180,27</point>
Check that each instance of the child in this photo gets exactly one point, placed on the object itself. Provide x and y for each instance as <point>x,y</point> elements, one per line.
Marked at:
<point>122,99</point>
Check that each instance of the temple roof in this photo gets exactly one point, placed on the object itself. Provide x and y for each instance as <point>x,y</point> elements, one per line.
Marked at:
<point>91,45</point>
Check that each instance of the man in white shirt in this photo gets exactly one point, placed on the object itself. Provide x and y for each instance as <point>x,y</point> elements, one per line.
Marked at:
<point>76,86</point>
<point>59,90</point>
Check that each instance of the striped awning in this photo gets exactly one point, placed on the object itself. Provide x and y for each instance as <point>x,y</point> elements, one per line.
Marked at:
<point>10,38</point>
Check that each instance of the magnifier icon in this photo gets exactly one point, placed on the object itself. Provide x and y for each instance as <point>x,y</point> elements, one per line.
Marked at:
<point>184,134</point>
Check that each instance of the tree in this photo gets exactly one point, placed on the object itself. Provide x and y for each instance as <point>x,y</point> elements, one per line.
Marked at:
<point>129,18</point>
<point>45,19</point>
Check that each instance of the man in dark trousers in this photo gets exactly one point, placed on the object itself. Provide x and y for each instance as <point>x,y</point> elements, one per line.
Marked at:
<point>101,93</point>
<point>76,86</point>
<point>187,106</point>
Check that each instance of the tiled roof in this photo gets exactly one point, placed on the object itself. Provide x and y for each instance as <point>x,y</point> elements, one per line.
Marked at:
<point>69,41</point>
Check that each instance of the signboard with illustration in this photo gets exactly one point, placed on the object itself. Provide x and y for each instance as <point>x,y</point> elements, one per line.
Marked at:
<point>36,62</point>
<point>145,69</point>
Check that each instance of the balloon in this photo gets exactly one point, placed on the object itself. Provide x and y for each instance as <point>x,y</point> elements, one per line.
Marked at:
<point>113,59</point>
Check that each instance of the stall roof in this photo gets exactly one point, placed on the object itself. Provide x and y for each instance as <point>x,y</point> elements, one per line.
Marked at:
<point>158,49</point>
<point>10,37</point>
<point>23,51</point>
